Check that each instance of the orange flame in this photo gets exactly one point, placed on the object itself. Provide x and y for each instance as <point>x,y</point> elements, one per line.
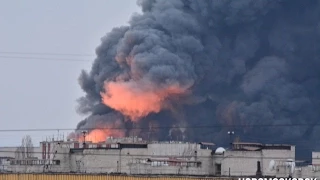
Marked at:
<point>99,135</point>
<point>136,99</point>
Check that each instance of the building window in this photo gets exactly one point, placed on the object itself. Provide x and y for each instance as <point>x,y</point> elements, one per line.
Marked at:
<point>56,162</point>
<point>218,169</point>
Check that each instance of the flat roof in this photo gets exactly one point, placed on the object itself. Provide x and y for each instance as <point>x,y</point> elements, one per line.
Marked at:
<point>278,145</point>
<point>207,143</point>
<point>137,143</point>
<point>259,144</point>
<point>247,143</point>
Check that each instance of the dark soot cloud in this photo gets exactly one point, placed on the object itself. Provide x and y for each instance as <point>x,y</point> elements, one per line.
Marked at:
<point>245,62</point>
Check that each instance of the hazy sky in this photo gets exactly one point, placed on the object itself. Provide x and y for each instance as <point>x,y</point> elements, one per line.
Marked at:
<point>39,93</point>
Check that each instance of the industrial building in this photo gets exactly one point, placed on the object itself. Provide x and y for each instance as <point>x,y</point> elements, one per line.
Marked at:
<point>247,159</point>
<point>125,155</point>
<point>311,170</point>
<point>134,156</point>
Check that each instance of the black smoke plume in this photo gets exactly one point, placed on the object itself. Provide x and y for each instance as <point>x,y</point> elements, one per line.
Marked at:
<point>243,63</point>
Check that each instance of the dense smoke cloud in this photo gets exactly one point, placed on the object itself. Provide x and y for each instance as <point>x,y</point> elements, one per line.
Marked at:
<point>205,63</point>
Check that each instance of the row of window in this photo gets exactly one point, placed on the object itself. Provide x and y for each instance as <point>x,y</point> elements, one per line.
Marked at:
<point>183,164</point>
<point>168,163</point>
<point>34,162</point>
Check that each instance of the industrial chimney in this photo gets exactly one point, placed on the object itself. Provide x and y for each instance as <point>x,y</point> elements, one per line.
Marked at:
<point>258,173</point>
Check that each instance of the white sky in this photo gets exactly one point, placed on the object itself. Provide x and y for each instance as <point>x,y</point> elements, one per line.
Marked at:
<point>37,94</point>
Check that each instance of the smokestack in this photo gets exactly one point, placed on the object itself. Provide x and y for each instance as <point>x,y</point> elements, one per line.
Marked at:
<point>218,63</point>
<point>258,173</point>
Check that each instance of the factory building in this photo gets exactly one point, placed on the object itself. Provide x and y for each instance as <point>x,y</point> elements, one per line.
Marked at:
<point>125,155</point>
<point>9,154</point>
<point>132,155</point>
<point>255,159</point>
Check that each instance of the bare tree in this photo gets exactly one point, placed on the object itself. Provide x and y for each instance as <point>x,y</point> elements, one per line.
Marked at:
<point>26,149</point>
<point>28,146</point>
<point>19,153</point>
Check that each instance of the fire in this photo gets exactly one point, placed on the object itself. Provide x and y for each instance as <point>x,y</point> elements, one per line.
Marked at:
<point>100,135</point>
<point>136,99</point>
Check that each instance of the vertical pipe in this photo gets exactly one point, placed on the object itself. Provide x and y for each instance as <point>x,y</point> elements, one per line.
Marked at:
<point>44,150</point>
<point>48,150</point>
<point>119,159</point>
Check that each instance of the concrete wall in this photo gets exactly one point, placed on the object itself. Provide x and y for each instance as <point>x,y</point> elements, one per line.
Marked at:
<point>96,177</point>
<point>306,172</point>
<point>4,163</point>
<point>316,158</point>
<point>26,168</point>
<point>173,149</point>
<point>133,160</point>
<point>10,152</point>
<point>96,161</point>
<point>37,152</point>
<point>311,170</point>
<point>58,152</point>
<point>244,163</point>
<point>240,163</point>
<point>204,156</point>
<point>279,156</point>
<point>302,172</point>
<point>7,151</point>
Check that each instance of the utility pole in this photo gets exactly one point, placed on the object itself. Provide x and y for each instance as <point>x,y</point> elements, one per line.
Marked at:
<point>84,138</point>
<point>230,136</point>
<point>150,132</point>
